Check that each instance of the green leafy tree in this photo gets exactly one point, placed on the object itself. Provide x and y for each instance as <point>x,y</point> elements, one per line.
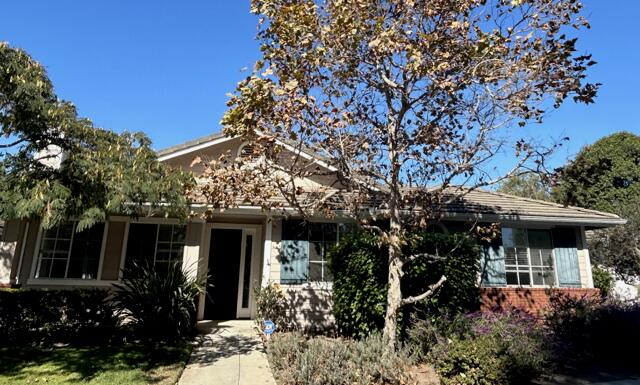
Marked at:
<point>55,165</point>
<point>606,176</point>
<point>528,185</point>
<point>407,103</point>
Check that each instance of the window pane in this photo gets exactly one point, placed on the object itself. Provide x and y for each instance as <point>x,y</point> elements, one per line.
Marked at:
<point>328,277</point>
<point>510,256</point>
<point>315,251</point>
<point>539,239</point>
<point>316,231</point>
<point>512,278</point>
<point>523,258</point>
<point>45,267</point>
<point>58,268</point>
<point>141,244</point>
<point>536,259</point>
<point>164,233</point>
<point>525,279</point>
<point>315,271</point>
<point>547,257</point>
<point>179,233</point>
<point>246,275</point>
<point>330,232</point>
<point>293,230</point>
<point>85,253</point>
<point>538,276</point>
<point>66,230</point>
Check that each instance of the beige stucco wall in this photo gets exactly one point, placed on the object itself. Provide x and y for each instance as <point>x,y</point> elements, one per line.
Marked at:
<point>10,245</point>
<point>309,305</point>
<point>111,262</point>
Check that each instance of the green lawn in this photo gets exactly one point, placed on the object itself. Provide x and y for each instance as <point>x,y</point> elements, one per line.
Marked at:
<point>125,364</point>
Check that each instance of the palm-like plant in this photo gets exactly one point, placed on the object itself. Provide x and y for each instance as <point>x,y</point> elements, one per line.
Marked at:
<point>159,303</point>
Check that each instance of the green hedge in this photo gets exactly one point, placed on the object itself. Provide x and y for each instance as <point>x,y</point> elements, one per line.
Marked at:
<point>39,316</point>
<point>359,266</point>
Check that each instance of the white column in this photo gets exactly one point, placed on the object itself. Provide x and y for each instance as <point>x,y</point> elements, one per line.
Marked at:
<point>266,253</point>
<point>587,259</point>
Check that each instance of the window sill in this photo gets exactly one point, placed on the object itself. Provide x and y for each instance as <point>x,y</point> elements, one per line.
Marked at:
<point>68,282</point>
<point>309,285</point>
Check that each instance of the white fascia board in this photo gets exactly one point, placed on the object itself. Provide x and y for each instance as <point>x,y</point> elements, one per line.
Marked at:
<point>195,148</point>
<point>604,222</point>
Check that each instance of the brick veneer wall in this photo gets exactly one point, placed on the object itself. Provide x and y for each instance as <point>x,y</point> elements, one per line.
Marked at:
<point>533,300</point>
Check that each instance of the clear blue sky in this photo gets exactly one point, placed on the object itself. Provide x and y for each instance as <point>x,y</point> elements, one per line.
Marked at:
<point>164,67</point>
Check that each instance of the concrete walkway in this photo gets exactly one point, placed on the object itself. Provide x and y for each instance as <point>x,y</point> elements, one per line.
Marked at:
<point>227,353</point>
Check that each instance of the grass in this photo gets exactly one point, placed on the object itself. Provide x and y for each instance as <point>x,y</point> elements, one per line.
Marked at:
<point>119,364</point>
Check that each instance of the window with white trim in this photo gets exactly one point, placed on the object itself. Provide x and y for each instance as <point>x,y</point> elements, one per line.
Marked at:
<point>160,244</point>
<point>304,250</point>
<point>65,253</point>
<point>528,257</point>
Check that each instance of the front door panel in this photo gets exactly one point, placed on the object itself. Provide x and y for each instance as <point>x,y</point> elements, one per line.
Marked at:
<point>224,269</point>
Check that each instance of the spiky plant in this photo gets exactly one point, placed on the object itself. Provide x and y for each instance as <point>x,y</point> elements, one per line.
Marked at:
<point>160,304</point>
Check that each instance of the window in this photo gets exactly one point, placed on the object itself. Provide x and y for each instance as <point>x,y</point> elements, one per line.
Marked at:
<point>304,250</point>
<point>528,257</point>
<point>157,243</point>
<point>65,253</point>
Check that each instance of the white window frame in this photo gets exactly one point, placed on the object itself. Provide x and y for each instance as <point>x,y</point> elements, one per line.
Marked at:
<point>150,221</point>
<point>530,266</point>
<point>36,260</point>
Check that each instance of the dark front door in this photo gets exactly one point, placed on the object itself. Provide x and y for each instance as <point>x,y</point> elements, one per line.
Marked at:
<point>224,271</point>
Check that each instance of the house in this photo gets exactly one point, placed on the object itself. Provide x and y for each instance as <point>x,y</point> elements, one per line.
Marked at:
<point>543,245</point>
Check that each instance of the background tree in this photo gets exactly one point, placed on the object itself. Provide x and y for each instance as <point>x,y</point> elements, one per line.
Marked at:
<point>407,102</point>
<point>529,185</point>
<point>55,165</point>
<point>606,176</point>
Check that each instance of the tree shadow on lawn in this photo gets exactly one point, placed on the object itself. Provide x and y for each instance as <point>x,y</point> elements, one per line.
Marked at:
<point>85,363</point>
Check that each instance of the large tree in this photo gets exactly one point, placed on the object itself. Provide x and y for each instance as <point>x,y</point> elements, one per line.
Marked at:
<point>55,165</point>
<point>606,176</point>
<point>407,102</point>
<point>530,185</point>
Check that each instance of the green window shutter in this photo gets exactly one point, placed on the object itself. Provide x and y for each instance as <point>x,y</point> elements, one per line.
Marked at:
<point>566,253</point>
<point>492,265</point>
<point>294,261</point>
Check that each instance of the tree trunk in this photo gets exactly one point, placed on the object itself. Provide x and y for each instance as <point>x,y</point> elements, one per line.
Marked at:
<point>394,296</point>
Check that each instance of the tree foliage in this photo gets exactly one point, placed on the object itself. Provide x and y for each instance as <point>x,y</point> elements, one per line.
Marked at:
<point>360,269</point>
<point>407,103</point>
<point>55,165</point>
<point>529,185</point>
<point>606,176</point>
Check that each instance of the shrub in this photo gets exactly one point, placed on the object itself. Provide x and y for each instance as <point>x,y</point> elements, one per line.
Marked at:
<point>359,266</point>
<point>297,360</point>
<point>486,348</point>
<point>271,304</point>
<point>589,329</point>
<point>161,304</point>
<point>39,316</point>
<point>602,279</point>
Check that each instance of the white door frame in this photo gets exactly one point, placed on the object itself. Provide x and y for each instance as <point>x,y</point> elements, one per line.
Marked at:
<point>247,230</point>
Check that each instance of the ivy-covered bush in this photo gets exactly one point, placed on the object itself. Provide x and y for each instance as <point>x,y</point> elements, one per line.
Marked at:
<point>271,304</point>
<point>296,360</point>
<point>360,270</point>
<point>160,304</point>
<point>44,317</point>
<point>500,348</point>
<point>602,279</point>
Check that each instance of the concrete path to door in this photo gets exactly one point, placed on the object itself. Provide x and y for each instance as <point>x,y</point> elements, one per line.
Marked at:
<point>227,353</point>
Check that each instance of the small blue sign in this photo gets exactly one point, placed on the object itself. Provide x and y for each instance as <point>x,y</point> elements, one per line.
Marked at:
<point>269,327</point>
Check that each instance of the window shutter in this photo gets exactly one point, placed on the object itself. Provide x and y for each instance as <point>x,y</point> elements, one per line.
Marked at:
<point>492,265</point>
<point>294,261</point>
<point>566,253</point>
